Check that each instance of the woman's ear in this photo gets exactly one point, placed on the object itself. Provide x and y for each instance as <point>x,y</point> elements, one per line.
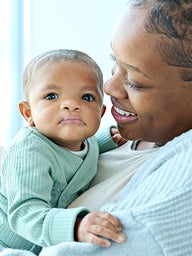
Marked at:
<point>103,110</point>
<point>25,111</point>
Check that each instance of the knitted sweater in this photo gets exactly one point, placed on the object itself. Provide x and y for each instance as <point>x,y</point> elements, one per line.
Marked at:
<point>38,180</point>
<point>155,208</point>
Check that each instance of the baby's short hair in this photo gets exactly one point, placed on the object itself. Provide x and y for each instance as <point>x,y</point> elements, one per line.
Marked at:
<point>59,55</point>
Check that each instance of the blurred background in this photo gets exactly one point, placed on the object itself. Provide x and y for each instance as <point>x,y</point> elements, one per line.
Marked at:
<point>30,27</point>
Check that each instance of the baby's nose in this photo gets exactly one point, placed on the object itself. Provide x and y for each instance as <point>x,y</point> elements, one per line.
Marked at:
<point>70,105</point>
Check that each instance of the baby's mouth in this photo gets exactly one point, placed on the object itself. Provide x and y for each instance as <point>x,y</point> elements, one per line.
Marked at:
<point>123,112</point>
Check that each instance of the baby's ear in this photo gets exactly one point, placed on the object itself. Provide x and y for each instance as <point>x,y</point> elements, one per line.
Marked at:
<point>103,110</point>
<point>25,111</point>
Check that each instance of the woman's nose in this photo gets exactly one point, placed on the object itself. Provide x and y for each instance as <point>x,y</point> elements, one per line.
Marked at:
<point>115,87</point>
<point>70,105</point>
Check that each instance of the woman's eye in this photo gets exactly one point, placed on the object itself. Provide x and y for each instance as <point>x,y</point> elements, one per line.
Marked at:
<point>131,85</point>
<point>88,97</point>
<point>51,96</point>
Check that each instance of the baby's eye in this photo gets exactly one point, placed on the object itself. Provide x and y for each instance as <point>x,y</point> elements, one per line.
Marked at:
<point>51,96</point>
<point>88,97</point>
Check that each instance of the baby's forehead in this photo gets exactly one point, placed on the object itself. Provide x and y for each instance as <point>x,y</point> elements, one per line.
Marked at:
<point>63,62</point>
<point>65,70</point>
<point>64,65</point>
<point>41,65</point>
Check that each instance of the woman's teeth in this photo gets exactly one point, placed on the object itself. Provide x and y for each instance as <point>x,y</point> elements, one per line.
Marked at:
<point>123,113</point>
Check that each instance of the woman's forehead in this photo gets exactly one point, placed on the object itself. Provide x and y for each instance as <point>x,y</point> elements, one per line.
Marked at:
<point>130,41</point>
<point>131,24</point>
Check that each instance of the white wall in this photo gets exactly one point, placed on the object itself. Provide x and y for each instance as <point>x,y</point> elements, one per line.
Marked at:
<point>80,24</point>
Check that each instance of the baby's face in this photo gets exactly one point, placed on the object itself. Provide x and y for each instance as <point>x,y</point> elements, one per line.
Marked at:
<point>66,102</point>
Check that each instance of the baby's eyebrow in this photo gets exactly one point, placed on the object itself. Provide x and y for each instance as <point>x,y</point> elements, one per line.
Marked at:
<point>50,86</point>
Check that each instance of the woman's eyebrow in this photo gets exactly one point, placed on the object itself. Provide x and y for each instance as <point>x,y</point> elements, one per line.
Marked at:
<point>128,66</point>
<point>133,68</point>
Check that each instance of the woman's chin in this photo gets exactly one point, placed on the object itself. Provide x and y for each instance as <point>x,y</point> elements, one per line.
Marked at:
<point>126,133</point>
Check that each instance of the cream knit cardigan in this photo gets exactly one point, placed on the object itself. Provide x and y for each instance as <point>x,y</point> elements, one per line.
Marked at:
<point>155,208</point>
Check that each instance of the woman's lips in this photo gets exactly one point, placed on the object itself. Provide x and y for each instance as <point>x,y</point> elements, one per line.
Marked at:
<point>122,116</point>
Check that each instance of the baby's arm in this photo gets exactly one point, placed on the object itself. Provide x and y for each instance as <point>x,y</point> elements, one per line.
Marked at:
<point>96,227</point>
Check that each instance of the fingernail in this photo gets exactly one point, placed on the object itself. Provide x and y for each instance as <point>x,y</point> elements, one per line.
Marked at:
<point>121,238</point>
<point>119,228</point>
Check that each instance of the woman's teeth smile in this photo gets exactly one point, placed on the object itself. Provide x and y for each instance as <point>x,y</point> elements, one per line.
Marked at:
<point>123,113</point>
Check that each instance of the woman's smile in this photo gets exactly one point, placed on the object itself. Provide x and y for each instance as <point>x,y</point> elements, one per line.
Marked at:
<point>122,116</point>
<point>123,112</point>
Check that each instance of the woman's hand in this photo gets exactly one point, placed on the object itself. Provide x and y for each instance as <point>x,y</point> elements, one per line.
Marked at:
<point>96,227</point>
<point>116,137</point>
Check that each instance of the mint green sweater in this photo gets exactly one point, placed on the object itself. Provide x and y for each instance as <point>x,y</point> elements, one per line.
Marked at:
<point>38,181</point>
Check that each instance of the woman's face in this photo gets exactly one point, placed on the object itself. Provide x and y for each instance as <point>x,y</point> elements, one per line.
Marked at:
<point>150,100</point>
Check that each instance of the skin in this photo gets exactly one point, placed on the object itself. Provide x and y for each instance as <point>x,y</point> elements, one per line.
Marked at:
<point>66,108</point>
<point>145,85</point>
<point>96,224</point>
<point>66,105</point>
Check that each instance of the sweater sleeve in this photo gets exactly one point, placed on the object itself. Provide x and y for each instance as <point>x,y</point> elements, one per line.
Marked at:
<point>59,225</point>
<point>105,140</point>
<point>150,230</point>
<point>139,242</point>
<point>31,212</point>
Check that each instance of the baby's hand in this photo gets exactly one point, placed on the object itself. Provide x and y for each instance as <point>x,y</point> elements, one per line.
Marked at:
<point>97,226</point>
<point>116,136</point>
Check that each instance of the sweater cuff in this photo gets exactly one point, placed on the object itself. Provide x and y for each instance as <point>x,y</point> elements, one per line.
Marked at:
<point>62,223</point>
<point>105,140</point>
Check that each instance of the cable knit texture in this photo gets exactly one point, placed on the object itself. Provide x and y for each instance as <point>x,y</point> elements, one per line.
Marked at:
<point>155,208</point>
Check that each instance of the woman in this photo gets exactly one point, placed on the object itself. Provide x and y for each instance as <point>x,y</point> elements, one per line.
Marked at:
<point>151,93</point>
